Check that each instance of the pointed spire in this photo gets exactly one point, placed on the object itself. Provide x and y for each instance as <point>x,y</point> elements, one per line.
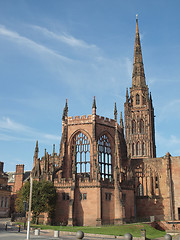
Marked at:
<point>36,149</point>
<point>121,121</point>
<point>94,106</point>
<point>115,112</point>
<point>65,111</point>
<point>138,76</point>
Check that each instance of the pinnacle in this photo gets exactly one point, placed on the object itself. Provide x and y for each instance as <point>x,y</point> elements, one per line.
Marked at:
<point>94,103</point>
<point>115,112</point>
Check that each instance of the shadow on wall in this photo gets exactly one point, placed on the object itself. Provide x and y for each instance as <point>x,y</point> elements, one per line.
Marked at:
<point>78,210</point>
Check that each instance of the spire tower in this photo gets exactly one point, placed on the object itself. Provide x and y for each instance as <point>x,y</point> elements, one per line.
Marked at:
<point>139,111</point>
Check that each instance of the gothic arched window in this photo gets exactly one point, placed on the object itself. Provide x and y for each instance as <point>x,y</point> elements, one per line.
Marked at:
<point>141,126</point>
<point>143,149</point>
<point>133,149</point>
<point>105,157</point>
<point>137,99</point>
<point>143,100</point>
<point>81,142</point>
<point>133,126</point>
<point>140,190</point>
<point>138,149</point>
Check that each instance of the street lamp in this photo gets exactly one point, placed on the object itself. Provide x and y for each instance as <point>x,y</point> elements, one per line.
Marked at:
<point>30,202</point>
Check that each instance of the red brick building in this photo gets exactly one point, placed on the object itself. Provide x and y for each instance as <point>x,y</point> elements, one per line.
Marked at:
<point>15,181</point>
<point>5,193</point>
<point>105,177</point>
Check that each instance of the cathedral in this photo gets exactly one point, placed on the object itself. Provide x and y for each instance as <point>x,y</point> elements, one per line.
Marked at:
<point>106,171</point>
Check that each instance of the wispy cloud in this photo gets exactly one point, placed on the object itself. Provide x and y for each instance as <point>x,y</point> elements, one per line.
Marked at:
<point>16,37</point>
<point>65,38</point>
<point>170,144</point>
<point>13,131</point>
<point>170,109</point>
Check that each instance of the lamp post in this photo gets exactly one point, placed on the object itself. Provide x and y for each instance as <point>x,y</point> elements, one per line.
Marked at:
<point>30,202</point>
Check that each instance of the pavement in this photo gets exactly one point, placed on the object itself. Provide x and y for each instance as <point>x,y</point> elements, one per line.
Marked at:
<point>12,233</point>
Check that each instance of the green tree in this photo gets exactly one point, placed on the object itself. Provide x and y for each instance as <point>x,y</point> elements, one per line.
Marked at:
<point>19,206</point>
<point>43,198</point>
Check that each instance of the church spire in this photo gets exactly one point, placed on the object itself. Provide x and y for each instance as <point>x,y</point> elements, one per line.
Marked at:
<point>138,76</point>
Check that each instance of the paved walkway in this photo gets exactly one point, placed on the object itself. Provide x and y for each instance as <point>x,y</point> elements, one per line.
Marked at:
<point>13,234</point>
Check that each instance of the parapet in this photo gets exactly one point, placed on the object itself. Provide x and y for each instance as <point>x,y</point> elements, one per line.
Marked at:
<point>105,121</point>
<point>80,119</point>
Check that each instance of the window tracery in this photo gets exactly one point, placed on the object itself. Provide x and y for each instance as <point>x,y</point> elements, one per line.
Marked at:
<point>141,126</point>
<point>105,162</point>
<point>138,149</point>
<point>82,145</point>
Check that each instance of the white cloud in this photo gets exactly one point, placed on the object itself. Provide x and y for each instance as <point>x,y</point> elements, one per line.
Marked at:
<point>14,36</point>
<point>13,131</point>
<point>65,38</point>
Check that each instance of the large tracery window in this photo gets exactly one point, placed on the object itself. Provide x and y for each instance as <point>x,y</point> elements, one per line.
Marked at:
<point>105,157</point>
<point>81,142</point>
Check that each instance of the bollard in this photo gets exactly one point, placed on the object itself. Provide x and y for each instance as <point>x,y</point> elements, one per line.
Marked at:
<point>128,236</point>
<point>168,237</point>
<point>37,232</point>
<point>24,224</point>
<point>79,235</point>
<point>19,228</point>
<point>5,226</point>
<point>143,233</point>
<point>56,234</point>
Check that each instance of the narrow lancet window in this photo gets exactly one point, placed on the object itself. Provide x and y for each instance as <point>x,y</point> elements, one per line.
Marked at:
<point>133,126</point>
<point>137,99</point>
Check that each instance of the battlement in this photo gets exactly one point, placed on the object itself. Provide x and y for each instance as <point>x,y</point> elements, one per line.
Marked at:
<point>83,182</point>
<point>104,120</point>
<point>80,119</point>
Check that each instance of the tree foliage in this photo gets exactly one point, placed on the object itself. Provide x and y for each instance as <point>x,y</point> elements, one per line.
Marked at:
<point>43,198</point>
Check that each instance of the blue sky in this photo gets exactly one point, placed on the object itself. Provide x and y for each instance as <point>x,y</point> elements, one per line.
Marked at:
<point>75,49</point>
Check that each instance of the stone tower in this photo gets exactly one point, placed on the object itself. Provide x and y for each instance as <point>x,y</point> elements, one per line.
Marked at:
<point>139,111</point>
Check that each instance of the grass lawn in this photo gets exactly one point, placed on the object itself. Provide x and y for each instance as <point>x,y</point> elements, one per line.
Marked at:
<point>134,229</point>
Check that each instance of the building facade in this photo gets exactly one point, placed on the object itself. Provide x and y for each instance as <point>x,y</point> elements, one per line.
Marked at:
<point>5,193</point>
<point>105,177</point>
